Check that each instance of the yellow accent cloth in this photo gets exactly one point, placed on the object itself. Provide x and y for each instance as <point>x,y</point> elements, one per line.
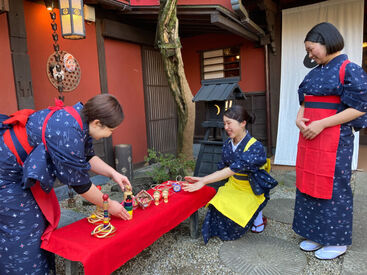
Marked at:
<point>237,201</point>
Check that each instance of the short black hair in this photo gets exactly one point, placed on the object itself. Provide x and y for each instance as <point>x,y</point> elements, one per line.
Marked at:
<point>328,35</point>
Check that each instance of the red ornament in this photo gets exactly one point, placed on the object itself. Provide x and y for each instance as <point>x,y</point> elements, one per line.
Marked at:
<point>105,197</point>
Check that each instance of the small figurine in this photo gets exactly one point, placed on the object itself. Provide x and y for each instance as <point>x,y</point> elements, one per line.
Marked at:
<point>165,195</point>
<point>106,229</point>
<point>156,196</point>
<point>127,192</point>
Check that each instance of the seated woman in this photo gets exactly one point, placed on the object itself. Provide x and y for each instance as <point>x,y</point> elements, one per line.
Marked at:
<point>238,204</point>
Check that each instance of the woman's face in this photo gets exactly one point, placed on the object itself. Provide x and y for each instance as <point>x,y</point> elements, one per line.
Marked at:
<point>98,131</point>
<point>317,52</point>
<point>233,128</point>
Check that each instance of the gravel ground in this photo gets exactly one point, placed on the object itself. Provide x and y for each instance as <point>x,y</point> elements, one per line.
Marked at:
<point>176,253</point>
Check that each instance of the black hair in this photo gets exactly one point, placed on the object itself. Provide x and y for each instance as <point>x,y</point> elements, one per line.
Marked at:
<point>328,35</point>
<point>105,108</point>
<point>239,113</point>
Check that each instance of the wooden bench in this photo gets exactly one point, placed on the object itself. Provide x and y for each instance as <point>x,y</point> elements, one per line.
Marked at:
<point>102,256</point>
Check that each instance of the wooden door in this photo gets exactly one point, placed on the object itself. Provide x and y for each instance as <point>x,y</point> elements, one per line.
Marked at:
<point>160,108</point>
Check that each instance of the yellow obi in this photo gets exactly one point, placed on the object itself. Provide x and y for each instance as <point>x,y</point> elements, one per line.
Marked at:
<point>235,199</point>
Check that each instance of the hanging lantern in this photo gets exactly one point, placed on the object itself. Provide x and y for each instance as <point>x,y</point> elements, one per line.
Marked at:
<point>72,19</point>
<point>4,5</point>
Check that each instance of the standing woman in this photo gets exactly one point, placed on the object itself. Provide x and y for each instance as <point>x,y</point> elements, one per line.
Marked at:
<point>238,204</point>
<point>333,98</point>
<point>35,148</point>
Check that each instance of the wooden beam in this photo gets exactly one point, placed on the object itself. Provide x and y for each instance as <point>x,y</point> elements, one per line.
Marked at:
<point>105,143</point>
<point>233,27</point>
<point>117,30</point>
<point>19,55</point>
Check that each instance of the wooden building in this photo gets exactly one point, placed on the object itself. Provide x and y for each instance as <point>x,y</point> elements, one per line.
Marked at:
<point>219,38</point>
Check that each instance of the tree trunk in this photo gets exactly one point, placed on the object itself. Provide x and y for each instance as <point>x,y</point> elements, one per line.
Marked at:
<point>168,42</point>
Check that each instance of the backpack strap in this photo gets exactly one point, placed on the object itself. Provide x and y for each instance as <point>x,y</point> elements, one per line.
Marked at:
<point>249,143</point>
<point>15,137</point>
<point>342,71</point>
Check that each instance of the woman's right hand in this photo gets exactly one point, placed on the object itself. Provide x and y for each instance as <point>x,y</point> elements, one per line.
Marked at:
<point>116,209</point>
<point>193,186</point>
<point>301,123</point>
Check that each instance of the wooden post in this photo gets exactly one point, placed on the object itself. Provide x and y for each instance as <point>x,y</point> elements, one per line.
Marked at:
<point>71,267</point>
<point>194,225</point>
<point>123,160</point>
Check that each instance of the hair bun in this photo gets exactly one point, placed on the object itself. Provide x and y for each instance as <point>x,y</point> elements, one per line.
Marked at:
<point>252,118</point>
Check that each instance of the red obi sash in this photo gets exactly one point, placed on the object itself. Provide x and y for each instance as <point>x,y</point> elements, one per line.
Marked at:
<point>17,141</point>
<point>316,158</point>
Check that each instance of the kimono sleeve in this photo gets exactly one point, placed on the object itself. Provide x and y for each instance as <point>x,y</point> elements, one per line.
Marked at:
<point>222,164</point>
<point>355,93</point>
<point>67,149</point>
<point>249,160</point>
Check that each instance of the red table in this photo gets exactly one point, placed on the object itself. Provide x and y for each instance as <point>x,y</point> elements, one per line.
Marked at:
<point>102,256</point>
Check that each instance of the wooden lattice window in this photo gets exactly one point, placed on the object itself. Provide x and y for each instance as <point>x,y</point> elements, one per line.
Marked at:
<point>221,63</point>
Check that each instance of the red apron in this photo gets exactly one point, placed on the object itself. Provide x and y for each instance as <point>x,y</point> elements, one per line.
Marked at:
<point>316,158</point>
<point>17,142</point>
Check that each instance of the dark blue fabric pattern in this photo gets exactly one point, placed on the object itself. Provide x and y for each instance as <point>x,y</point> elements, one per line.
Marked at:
<point>21,221</point>
<point>329,222</point>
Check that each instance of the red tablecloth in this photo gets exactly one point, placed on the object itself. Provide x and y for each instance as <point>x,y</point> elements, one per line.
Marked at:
<point>102,256</point>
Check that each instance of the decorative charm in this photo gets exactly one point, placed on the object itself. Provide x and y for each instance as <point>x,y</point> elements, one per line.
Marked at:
<point>144,199</point>
<point>156,196</point>
<point>106,229</point>
<point>68,71</point>
<point>176,186</point>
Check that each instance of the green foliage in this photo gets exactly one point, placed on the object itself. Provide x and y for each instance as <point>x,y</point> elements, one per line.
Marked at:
<point>167,166</point>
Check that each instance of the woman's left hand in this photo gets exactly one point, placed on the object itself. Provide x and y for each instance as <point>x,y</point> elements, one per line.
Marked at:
<point>122,180</point>
<point>313,129</point>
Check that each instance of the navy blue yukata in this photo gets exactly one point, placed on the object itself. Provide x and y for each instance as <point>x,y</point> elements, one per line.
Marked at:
<point>329,221</point>
<point>21,220</point>
<point>237,195</point>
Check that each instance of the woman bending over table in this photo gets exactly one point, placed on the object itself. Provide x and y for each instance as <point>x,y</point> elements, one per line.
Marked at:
<point>35,149</point>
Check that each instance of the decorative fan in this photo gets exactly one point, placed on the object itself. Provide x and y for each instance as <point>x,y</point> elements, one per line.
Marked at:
<point>70,71</point>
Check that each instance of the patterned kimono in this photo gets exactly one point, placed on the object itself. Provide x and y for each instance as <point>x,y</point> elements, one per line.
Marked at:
<point>235,206</point>
<point>329,221</point>
<point>21,221</point>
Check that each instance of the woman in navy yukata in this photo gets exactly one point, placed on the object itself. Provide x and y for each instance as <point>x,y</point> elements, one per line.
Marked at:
<point>333,98</point>
<point>238,204</point>
<point>57,142</point>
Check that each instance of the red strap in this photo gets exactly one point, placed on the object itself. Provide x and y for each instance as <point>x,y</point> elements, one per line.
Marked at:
<point>20,117</point>
<point>342,71</point>
<point>58,106</point>
<point>50,208</point>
